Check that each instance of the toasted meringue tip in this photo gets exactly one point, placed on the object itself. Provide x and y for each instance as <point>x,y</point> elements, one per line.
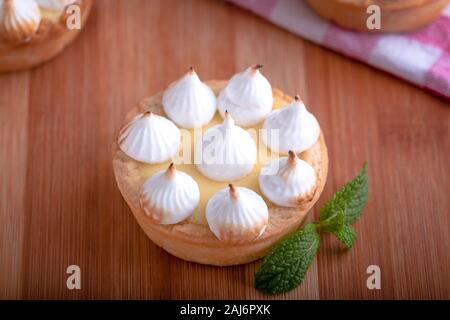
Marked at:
<point>171,170</point>
<point>228,119</point>
<point>256,68</point>
<point>228,115</point>
<point>234,193</point>
<point>191,70</point>
<point>292,157</point>
<point>297,98</point>
<point>147,114</point>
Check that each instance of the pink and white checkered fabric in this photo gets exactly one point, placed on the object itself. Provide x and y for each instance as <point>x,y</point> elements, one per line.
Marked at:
<point>421,57</point>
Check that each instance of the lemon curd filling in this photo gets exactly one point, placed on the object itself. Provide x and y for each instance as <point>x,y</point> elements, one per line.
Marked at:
<point>52,15</point>
<point>207,186</point>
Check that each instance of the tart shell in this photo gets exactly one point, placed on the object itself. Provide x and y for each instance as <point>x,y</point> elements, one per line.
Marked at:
<point>194,241</point>
<point>50,39</point>
<point>396,16</point>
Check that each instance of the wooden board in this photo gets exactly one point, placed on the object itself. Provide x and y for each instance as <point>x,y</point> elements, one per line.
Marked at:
<point>59,204</point>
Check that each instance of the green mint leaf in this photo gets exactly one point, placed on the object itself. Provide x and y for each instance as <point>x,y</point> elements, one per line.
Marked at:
<point>333,223</point>
<point>285,266</point>
<point>346,235</point>
<point>351,198</point>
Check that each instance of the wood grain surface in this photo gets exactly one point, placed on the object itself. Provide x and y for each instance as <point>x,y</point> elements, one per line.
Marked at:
<point>59,204</point>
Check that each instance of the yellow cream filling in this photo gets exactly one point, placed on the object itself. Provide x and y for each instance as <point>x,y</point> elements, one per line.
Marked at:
<point>52,15</point>
<point>207,186</point>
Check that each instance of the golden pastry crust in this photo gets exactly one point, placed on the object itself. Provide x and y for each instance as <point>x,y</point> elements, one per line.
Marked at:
<point>50,39</point>
<point>396,15</point>
<point>194,241</point>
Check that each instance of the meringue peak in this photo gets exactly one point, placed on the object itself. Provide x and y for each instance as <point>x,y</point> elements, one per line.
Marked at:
<point>248,96</point>
<point>298,129</point>
<point>170,172</point>
<point>19,20</point>
<point>190,78</point>
<point>149,138</point>
<point>228,121</point>
<point>292,185</point>
<point>255,68</point>
<point>234,193</point>
<point>189,102</point>
<point>225,152</point>
<point>169,196</point>
<point>292,158</point>
<point>236,214</point>
<point>191,73</point>
<point>286,171</point>
<point>298,104</point>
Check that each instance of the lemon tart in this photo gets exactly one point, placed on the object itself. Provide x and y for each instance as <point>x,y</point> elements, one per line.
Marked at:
<point>395,15</point>
<point>34,31</point>
<point>233,222</point>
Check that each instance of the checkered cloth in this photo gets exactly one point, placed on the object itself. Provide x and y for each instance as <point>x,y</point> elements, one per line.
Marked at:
<point>421,57</point>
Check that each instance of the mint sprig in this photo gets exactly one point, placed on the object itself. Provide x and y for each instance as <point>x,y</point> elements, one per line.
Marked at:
<point>285,266</point>
<point>351,198</point>
<point>333,222</point>
<point>346,235</point>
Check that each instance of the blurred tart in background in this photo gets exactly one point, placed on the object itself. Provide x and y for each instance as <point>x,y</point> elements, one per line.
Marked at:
<point>34,31</point>
<point>396,15</point>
